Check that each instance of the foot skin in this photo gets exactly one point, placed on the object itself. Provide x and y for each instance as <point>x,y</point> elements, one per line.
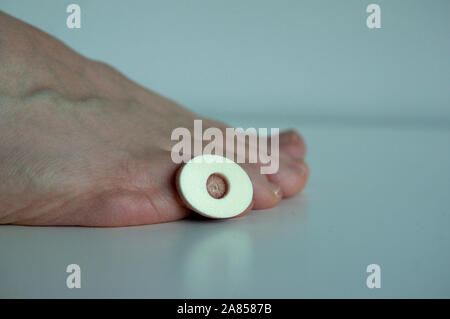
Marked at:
<point>80,144</point>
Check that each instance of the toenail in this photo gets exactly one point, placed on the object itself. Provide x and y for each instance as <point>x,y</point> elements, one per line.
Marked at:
<point>214,186</point>
<point>276,189</point>
<point>299,169</point>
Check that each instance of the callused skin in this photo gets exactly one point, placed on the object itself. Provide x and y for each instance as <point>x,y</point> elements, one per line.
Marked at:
<point>80,144</point>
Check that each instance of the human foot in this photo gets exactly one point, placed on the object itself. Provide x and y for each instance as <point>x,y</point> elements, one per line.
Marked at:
<point>80,144</point>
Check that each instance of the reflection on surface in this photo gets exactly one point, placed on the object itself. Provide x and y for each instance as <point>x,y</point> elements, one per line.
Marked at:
<point>222,253</point>
<point>186,259</point>
<point>234,257</point>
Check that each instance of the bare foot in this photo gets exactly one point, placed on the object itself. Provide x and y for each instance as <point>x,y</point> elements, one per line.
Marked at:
<point>80,144</point>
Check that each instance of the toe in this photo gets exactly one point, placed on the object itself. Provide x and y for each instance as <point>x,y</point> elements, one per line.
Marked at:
<point>265,193</point>
<point>293,144</point>
<point>291,177</point>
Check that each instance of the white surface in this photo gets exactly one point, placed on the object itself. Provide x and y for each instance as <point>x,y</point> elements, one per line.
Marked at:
<point>378,194</point>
